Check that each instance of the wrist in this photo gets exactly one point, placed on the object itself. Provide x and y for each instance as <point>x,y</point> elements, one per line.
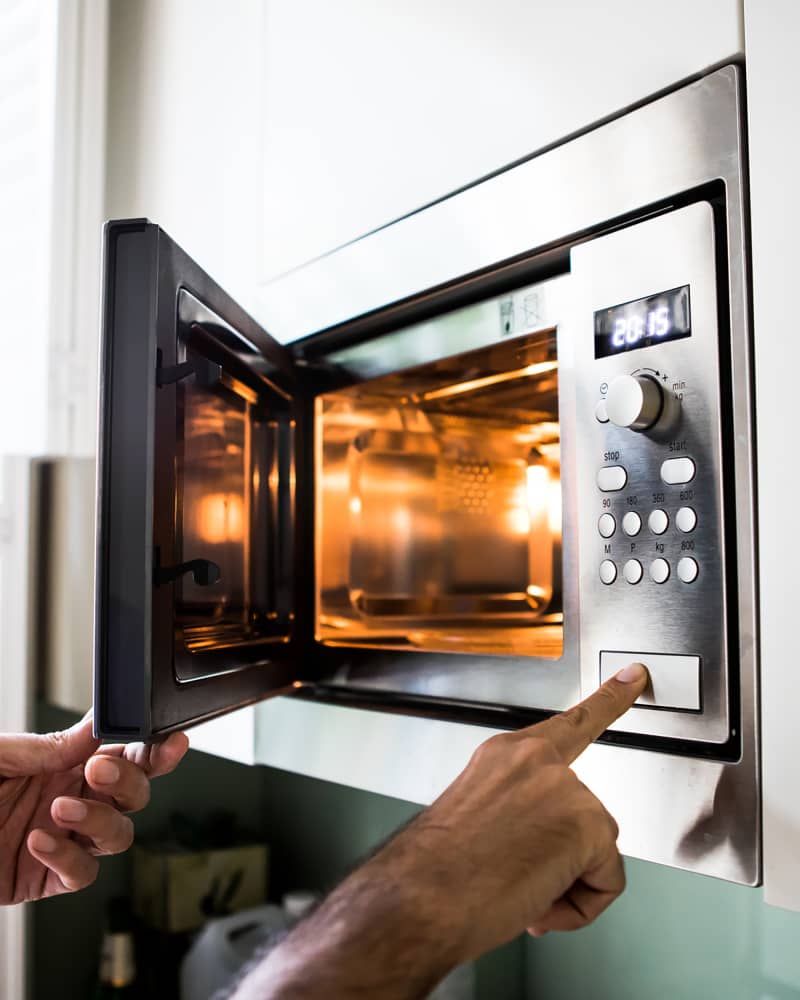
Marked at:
<point>388,930</point>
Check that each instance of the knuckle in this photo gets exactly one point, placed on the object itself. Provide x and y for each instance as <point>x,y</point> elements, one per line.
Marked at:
<point>613,826</point>
<point>56,744</point>
<point>84,877</point>
<point>542,750</point>
<point>125,838</point>
<point>139,755</point>
<point>592,814</point>
<point>143,798</point>
<point>608,695</point>
<point>490,749</point>
<point>576,717</point>
<point>133,792</point>
<point>556,779</point>
<point>117,839</point>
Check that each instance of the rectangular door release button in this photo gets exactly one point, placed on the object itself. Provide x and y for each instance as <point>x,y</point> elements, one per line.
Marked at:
<point>674,679</point>
<point>611,478</point>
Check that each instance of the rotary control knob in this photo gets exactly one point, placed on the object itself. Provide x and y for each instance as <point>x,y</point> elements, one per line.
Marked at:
<point>639,402</point>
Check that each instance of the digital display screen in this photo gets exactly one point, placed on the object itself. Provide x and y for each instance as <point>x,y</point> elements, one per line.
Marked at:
<point>643,322</point>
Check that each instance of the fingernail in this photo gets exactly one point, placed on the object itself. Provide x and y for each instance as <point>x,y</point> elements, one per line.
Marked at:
<point>105,771</point>
<point>633,672</point>
<point>43,842</point>
<point>71,810</point>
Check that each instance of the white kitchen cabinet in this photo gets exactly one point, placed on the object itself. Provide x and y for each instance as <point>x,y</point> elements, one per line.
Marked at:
<point>260,133</point>
<point>186,128</point>
<point>373,110</point>
<point>773,27</point>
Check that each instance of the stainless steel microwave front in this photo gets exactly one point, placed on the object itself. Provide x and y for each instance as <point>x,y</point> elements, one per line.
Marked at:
<point>656,463</point>
<point>508,452</point>
<point>520,404</point>
<point>650,473</point>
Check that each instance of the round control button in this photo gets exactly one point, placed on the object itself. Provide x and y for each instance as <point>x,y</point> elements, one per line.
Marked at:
<point>659,571</point>
<point>658,522</point>
<point>634,401</point>
<point>686,519</point>
<point>600,412</point>
<point>631,523</point>
<point>608,571</point>
<point>632,571</point>
<point>606,525</point>
<point>687,570</point>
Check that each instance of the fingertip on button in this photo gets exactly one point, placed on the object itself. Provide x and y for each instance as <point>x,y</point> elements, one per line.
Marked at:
<point>633,672</point>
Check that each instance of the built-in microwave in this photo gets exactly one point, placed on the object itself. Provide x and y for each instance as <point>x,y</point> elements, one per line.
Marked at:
<point>466,467</point>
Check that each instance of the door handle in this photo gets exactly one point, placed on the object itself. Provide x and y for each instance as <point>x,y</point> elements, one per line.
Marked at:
<point>204,571</point>
<point>206,372</point>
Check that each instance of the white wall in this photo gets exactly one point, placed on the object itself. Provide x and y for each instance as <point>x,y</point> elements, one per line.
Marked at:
<point>52,115</point>
<point>27,61</point>
<point>185,127</point>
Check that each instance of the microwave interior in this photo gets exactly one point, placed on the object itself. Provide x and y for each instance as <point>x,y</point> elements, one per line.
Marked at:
<point>438,506</point>
<point>433,494</point>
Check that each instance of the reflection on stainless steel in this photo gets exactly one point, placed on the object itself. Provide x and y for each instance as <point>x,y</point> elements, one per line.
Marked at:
<point>439,508</point>
<point>488,380</point>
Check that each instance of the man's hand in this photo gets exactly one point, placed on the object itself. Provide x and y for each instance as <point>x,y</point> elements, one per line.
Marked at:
<point>516,842</point>
<point>540,850</point>
<point>62,799</point>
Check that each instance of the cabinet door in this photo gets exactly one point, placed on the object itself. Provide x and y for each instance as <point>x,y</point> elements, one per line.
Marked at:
<point>194,584</point>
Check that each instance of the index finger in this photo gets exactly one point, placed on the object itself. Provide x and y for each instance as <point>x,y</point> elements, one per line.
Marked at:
<point>572,731</point>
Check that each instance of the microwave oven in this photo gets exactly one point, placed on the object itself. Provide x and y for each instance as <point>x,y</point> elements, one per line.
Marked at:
<point>464,468</point>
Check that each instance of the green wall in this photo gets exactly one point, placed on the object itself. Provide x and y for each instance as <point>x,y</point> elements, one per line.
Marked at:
<point>677,936</point>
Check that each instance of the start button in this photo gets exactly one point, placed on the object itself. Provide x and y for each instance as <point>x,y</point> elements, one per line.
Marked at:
<point>674,680</point>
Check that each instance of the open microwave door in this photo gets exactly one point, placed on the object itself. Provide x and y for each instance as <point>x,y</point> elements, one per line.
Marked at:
<point>195,576</point>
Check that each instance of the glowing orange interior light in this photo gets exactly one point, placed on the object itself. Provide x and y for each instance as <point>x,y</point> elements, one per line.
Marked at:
<point>221,518</point>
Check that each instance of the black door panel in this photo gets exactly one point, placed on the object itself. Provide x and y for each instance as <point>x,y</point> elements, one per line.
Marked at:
<point>195,588</point>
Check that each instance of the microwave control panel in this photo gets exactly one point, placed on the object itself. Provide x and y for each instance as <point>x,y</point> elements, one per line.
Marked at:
<point>648,443</point>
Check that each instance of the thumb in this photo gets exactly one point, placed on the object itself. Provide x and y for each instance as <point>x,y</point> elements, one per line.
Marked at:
<point>35,753</point>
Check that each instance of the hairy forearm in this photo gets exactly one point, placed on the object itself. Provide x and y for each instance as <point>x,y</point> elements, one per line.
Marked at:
<point>386,931</point>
